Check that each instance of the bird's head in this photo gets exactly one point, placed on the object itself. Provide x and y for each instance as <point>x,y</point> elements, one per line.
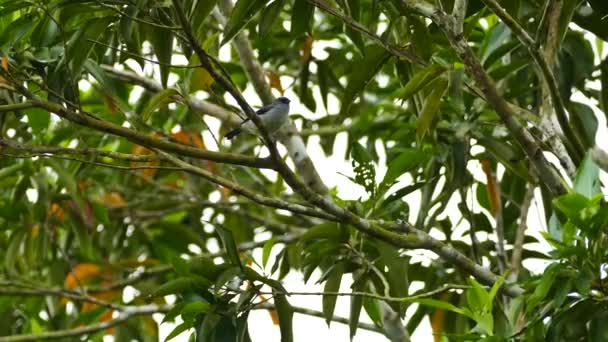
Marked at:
<point>283,100</point>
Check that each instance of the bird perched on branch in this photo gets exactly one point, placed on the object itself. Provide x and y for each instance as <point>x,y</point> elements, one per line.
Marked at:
<point>273,116</point>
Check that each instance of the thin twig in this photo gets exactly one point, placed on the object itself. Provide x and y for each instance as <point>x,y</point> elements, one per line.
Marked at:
<point>412,298</point>
<point>315,313</point>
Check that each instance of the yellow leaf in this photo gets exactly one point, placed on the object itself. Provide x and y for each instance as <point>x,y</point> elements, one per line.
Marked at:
<point>200,80</point>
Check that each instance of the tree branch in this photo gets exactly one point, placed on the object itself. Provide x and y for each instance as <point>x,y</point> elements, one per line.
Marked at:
<point>144,140</point>
<point>414,239</point>
<point>550,177</point>
<point>550,83</point>
<point>315,313</point>
<point>266,201</point>
<point>129,313</point>
<point>41,150</point>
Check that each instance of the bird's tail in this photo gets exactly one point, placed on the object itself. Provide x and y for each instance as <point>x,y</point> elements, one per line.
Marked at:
<point>233,133</point>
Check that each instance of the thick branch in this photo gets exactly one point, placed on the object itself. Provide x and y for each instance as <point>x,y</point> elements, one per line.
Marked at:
<point>148,141</point>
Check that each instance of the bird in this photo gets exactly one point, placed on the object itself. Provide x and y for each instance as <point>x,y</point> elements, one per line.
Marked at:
<point>274,116</point>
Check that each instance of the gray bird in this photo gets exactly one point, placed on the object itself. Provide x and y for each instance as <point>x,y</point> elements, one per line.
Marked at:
<point>273,116</point>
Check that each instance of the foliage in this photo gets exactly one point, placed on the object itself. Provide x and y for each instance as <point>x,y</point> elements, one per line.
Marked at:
<point>114,179</point>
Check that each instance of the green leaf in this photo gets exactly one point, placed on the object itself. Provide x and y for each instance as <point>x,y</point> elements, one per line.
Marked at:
<point>266,249</point>
<point>328,230</point>
<point>162,43</point>
<point>323,76</point>
<point>230,246</point>
<point>163,97</point>
<point>100,75</point>
<point>365,172</point>
<point>207,328</point>
<point>542,289</point>
<point>584,122</point>
<point>356,303</point>
<point>192,309</point>
<point>353,9</point>
<point>302,16</point>
<point>181,266</point>
<point>38,119</point>
<point>285,313</point>
<point>604,90</point>
<point>178,330</point>
<point>363,72</point>
<point>587,181</point>
<point>478,299</point>
<point>201,11</point>
<point>332,285</point>
<point>269,16</point>
<point>421,79</point>
<point>173,312</point>
<point>241,15</point>
<point>82,43</point>
<point>583,281</point>
<point>442,305</point>
<point>372,308</point>
<point>405,162</point>
<point>11,256</point>
<point>496,286</point>
<point>181,284</point>
<point>430,109</point>
<point>101,213</point>
<point>225,277</point>
<point>571,205</point>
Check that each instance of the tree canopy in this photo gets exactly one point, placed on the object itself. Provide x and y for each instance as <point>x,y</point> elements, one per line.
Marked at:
<point>118,191</point>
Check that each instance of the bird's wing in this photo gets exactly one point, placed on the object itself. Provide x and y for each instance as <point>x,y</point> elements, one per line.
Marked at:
<point>264,109</point>
<point>260,111</point>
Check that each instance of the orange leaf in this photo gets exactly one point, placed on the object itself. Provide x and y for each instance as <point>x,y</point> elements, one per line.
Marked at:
<point>81,274</point>
<point>274,316</point>
<point>113,200</point>
<point>110,104</point>
<point>491,186</point>
<point>438,319</point>
<point>307,49</point>
<point>274,80</point>
<point>57,212</point>
<point>189,138</point>
<point>5,67</point>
